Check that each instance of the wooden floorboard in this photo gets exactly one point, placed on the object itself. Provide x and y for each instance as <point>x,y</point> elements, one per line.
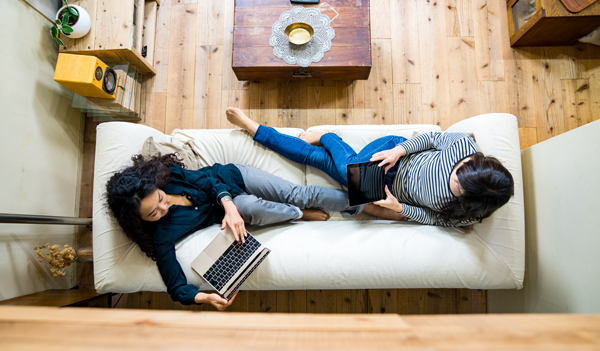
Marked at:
<point>433,62</point>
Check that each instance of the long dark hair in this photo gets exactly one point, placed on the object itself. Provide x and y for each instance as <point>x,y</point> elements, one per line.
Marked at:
<point>487,185</point>
<point>126,189</point>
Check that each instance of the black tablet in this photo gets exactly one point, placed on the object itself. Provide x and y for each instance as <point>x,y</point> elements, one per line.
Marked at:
<point>366,182</point>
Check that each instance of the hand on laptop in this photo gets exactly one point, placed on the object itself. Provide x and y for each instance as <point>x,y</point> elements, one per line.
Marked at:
<point>214,299</point>
<point>234,221</point>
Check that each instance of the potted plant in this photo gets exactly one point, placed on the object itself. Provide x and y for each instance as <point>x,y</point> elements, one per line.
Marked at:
<point>71,20</point>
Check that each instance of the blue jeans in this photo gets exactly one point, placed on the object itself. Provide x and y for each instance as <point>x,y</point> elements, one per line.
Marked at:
<point>333,158</point>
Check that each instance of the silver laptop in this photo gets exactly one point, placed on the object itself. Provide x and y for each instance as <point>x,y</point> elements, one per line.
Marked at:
<point>225,264</point>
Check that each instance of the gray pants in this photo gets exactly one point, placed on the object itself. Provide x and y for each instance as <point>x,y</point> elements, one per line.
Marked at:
<point>270,199</point>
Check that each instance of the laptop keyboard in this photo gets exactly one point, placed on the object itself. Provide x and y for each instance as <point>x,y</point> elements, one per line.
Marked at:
<point>230,262</point>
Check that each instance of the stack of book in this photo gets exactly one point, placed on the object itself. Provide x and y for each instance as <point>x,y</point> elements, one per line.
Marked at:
<point>129,103</point>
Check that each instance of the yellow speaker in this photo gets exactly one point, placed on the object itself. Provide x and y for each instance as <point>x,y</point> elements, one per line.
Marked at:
<point>86,76</point>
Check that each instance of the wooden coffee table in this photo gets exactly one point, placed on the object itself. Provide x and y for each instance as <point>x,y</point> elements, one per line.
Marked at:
<point>349,57</point>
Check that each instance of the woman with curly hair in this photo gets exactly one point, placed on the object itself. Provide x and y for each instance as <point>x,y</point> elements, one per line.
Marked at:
<point>434,178</point>
<point>157,203</point>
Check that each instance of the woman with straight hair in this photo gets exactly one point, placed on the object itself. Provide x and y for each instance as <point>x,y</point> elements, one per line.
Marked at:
<point>434,178</point>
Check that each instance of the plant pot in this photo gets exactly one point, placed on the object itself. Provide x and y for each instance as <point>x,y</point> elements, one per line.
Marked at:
<point>82,25</point>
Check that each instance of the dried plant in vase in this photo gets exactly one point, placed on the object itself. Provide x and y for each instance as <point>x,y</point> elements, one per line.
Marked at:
<point>58,259</point>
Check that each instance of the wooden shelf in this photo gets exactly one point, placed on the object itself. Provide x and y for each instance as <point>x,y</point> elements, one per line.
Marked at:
<point>149,32</point>
<point>552,24</point>
<point>115,34</point>
<point>54,298</point>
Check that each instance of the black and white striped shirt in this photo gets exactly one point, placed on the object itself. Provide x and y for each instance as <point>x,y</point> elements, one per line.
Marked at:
<point>422,182</point>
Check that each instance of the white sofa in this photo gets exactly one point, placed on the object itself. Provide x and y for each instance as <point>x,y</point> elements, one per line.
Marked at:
<point>337,254</point>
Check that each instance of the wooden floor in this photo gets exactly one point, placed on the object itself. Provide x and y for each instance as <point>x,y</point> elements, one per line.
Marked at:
<point>403,301</point>
<point>434,61</point>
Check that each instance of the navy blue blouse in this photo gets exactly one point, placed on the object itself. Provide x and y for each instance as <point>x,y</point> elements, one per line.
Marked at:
<point>205,187</point>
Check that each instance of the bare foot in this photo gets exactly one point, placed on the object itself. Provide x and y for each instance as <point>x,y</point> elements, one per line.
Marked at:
<point>382,212</point>
<point>313,138</point>
<point>239,118</point>
<point>313,214</point>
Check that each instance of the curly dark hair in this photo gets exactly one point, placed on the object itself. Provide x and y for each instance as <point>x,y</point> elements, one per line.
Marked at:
<point>487,185</point>
<point>127,188</point>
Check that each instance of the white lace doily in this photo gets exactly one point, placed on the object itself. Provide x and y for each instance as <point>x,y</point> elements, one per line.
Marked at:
<point>310,52</point>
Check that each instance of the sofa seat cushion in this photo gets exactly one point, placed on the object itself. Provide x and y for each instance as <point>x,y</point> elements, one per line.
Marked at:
<point>340,255</point>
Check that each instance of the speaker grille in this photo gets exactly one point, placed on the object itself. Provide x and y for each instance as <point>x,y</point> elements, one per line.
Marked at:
<point>110,80</point>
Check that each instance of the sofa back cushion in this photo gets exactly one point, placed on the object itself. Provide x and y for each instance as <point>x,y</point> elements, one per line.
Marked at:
<point>236,146</point>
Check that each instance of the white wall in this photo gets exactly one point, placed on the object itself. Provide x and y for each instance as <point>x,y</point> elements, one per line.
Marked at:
<point>562,227</point>
<point>46,8</point>
<point>41,143</point>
